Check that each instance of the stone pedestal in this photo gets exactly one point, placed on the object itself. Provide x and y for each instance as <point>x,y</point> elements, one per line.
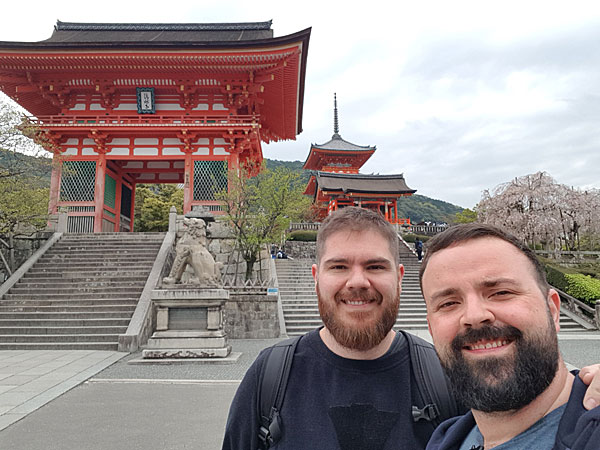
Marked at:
<point>189,324</point>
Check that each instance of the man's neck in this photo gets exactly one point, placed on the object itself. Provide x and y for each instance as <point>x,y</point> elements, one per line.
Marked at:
<point>345,352</point>
<point>500,427</point>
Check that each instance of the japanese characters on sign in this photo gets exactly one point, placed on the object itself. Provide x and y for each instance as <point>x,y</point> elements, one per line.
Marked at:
<point>145,100</point>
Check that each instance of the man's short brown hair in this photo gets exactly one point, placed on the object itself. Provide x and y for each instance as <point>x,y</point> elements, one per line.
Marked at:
<point>469,231</point>
<point>353,218</point>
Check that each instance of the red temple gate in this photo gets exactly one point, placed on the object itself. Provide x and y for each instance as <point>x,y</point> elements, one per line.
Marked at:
<point>124,104</point>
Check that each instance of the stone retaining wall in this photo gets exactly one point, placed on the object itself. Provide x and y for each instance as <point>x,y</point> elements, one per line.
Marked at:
<point>301,249</point>
<point>24,247</point>
<point>251,316</point>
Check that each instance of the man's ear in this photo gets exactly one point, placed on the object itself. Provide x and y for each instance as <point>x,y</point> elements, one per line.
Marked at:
<point>315,271</point>
<point>400,275</point>
<point>554,307</point>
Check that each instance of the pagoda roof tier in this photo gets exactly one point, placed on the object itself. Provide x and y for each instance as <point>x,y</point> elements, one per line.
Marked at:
<point>338,152</point>
<point>261,74</point>
<point>349,184</point>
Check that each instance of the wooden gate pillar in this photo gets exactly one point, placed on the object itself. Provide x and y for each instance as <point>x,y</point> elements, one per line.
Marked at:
<point>99,191</point>
<point>188,183</point>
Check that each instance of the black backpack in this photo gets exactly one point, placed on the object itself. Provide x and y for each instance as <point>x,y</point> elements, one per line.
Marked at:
<point>433,405</point>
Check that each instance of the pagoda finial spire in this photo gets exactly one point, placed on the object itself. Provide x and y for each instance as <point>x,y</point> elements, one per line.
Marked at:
<point>336,128</point>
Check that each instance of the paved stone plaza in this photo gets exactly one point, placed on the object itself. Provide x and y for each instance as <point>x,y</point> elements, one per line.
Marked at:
<point>73,400</point>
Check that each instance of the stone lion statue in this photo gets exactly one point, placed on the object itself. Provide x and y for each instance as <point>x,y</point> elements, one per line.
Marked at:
<point>191,252</point>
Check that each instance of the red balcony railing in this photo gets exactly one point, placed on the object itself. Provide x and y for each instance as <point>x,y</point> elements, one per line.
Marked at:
<point>139,120</point>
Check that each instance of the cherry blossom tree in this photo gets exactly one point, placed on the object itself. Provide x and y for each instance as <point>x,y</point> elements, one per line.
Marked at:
<point>541,211</point>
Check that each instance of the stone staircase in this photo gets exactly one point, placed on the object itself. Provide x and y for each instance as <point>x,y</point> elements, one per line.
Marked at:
<point>301,311</point>
<point>80,294</point>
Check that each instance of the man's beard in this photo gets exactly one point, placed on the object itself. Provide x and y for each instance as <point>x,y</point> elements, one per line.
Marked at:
<point>493,384</point>
<point>366,331</point>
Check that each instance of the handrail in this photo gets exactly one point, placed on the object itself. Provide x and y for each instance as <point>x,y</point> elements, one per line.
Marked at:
<point>579,303</point>
<point>585,315</point>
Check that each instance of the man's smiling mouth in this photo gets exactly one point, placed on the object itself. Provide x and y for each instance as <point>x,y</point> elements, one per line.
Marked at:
<point>481,345</point>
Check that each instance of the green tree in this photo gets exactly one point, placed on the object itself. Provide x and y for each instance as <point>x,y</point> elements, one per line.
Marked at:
<point>152,205</point>
<point>465,216</point>
<point>23,196</point>
<point>261,208</point>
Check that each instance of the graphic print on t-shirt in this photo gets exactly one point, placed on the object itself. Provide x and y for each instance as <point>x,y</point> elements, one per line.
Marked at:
<point>362,427</point>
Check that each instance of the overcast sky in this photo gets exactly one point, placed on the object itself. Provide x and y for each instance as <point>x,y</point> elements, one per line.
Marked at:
<point>457,95</point>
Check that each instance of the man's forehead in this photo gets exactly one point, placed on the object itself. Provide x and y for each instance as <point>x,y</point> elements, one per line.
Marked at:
<point>356,236</point>
<point>478,254</point>
<point>346,240</point>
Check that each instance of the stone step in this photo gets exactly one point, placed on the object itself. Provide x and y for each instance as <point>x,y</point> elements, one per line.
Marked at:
<point>86,273</point>
<point>70,302</point>
<point>73,297</point>
<point>51,338</point>
<point>37,323</point>
<point>110,308</point>
<point>55,282</point>
<point>88,261</point>
<point>64,315</point>
<point>113,235</point>
<point>109,242</point>
<point>99,251</point>
<point>110,346</point>
<point>83,289</point>
<point>62,330</point>
<point>100,255</point>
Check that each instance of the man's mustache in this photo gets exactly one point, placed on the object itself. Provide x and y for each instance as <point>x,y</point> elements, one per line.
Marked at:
<point>486,333</point>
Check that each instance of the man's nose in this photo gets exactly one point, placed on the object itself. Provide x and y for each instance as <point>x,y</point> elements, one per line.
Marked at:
<point>357,279</point>
<point>476,311</point>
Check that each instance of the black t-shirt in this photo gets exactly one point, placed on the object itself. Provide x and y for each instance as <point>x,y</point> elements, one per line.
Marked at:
<point>332,402</point>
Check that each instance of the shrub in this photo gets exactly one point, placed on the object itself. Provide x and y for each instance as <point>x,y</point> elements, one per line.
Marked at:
<point>302,235</point>
<point>410,238</point>
<point>583,287</point>
<point>589,268</point>
<point>556,278</point>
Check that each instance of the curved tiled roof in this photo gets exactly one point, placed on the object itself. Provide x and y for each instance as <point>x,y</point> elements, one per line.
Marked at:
<point>158,32</point>
<point>380,184</point>
<point>337,143</point>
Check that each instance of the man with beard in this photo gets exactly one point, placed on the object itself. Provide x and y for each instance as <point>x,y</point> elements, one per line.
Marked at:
<point>350,382</point>
<point>349,386</point>
<point>493,319</point>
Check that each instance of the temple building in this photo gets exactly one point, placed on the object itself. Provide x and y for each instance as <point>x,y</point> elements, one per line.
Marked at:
<point>337,182</point>
<point>123,104</point>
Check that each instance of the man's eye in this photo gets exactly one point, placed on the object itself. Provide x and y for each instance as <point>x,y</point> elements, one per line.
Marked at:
<point>447,304</point>
<point>501,293</point>
<point>377,267</point>
<point>338,267</point>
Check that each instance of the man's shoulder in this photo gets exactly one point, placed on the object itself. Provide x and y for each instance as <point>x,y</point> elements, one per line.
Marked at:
<point>451,433</point>
<point>578,428</point>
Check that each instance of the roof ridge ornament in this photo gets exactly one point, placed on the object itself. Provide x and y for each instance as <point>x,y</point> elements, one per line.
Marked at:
<point>336,127</point>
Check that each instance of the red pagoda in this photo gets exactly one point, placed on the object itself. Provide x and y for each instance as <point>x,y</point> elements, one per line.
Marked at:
<point>123,104</point>
<point>337,182</point>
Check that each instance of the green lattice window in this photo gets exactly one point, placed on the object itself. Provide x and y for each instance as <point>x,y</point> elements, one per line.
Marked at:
<point>77,181</point>
<point>110,191</point>
<point>209,177</point>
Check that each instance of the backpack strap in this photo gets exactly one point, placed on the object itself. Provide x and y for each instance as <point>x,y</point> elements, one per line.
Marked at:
<point>431,382</point>
<point>272,384</point>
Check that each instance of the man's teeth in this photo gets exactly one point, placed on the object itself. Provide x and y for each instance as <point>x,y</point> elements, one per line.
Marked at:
<point>489,345</point>
<point>356,302</point>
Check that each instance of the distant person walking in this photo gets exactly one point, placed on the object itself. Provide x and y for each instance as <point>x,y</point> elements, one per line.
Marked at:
<point>419,248</point>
